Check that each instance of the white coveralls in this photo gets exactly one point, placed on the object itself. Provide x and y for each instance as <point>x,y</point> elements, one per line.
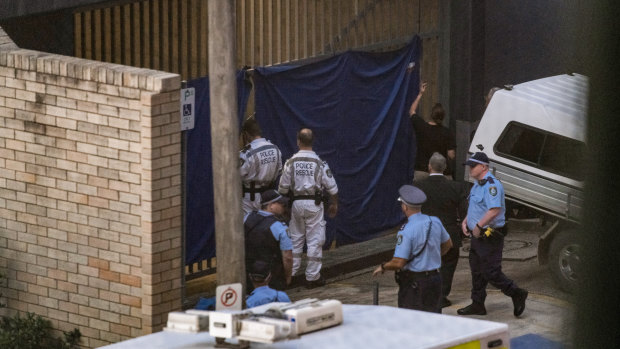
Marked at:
<point>260,163</point>
<point>306,175</point>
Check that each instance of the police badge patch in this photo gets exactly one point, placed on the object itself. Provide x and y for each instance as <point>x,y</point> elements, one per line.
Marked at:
<point>493,191</point>
<point>400,239</point>
<point>241,162</point>
<point>329,173</point>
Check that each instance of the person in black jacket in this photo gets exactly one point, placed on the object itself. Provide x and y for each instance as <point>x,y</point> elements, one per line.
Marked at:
<point>447,200</point>
<point>431,137</point>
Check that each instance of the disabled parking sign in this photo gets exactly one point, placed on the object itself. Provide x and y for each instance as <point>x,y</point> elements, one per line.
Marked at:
<point>228,297</point>
<point>188,98</point>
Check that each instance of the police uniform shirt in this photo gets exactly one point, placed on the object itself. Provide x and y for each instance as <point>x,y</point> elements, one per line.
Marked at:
<point>306,173</point>
<point>260,162</point>
<point>264,295</point>
<point>411,239</point>
<point>485,196</point>
<point>278,230</point>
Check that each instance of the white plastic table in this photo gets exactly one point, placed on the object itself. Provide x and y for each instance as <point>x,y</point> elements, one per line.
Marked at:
<point>364,326</point>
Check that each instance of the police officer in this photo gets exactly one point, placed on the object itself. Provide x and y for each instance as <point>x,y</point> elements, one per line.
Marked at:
<point>304,178</point>
<point>485,223</point>
<point>260,164</point>
<point>417,257</point>
<point>266,239</point>
<point>260,275</point>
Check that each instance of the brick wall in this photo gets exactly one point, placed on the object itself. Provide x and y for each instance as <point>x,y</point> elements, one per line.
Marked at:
<point>90,199</point>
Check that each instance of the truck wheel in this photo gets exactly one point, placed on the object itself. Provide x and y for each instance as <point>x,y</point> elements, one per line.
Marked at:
<point>565,260</point>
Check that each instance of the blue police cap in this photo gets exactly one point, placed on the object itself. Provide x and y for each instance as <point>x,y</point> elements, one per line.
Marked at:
<point>259,270</point>
<point>477,158</point>
<point>271,195</point>
<point>411,195</point>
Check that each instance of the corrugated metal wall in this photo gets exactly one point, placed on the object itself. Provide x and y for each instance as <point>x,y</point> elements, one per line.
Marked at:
<point>275,31</point>
<point>171,35</point>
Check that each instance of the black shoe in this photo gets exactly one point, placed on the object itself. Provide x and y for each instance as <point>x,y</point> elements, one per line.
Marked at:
<point>316,283</point>
<point>445,302</point>
<point>518,300</point>
<point>473,309</point>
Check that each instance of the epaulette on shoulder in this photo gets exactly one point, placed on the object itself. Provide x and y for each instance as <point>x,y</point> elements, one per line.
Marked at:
<point>490,180</point>
<point>402,227</point>
<point>246,148</point>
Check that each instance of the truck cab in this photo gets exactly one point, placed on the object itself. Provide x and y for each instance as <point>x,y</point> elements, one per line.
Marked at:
<point>534,135</point>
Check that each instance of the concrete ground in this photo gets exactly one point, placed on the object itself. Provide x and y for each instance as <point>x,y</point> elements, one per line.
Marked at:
<point>548,313</point>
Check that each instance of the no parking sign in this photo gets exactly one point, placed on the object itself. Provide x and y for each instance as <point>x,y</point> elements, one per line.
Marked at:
<point>228,297</point>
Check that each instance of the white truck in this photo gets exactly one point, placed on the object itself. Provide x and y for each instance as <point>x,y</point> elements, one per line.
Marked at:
<point>534,135</point>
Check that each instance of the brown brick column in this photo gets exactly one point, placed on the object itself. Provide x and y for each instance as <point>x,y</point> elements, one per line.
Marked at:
<point>161,203</point>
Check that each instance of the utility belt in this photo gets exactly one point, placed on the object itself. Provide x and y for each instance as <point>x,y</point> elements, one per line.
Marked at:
<point>405,277</point>
<point>253,190</point>
<point>317,197</point>
<point>493,233</point>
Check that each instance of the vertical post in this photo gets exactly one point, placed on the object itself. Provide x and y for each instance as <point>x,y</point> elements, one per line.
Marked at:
<point>183,204</point>
<point>229,236</point>
<point>375,293</point>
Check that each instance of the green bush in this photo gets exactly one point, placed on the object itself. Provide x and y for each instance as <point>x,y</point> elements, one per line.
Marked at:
<point>32,332</point>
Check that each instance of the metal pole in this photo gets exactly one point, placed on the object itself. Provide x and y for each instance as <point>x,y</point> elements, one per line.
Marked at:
<point>375,293</point>
<point>229,235</point>
<point>183,205</point>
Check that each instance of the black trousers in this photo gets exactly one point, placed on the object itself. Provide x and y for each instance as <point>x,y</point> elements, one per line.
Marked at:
<point>448,267</point>
<point>485,261</point>
<point>278,280</point>
<point>421,293</point>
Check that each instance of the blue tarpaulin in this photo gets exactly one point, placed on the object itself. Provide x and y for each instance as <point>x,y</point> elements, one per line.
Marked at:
<point>357,104</point>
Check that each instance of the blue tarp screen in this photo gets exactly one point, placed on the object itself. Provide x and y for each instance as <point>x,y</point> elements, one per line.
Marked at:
<point>357,105</point>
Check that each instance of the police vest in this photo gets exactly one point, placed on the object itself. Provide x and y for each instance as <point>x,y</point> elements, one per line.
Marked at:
<point>260,244</point>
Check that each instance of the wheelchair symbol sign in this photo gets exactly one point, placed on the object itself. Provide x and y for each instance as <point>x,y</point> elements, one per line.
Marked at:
<point>187,108</point>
